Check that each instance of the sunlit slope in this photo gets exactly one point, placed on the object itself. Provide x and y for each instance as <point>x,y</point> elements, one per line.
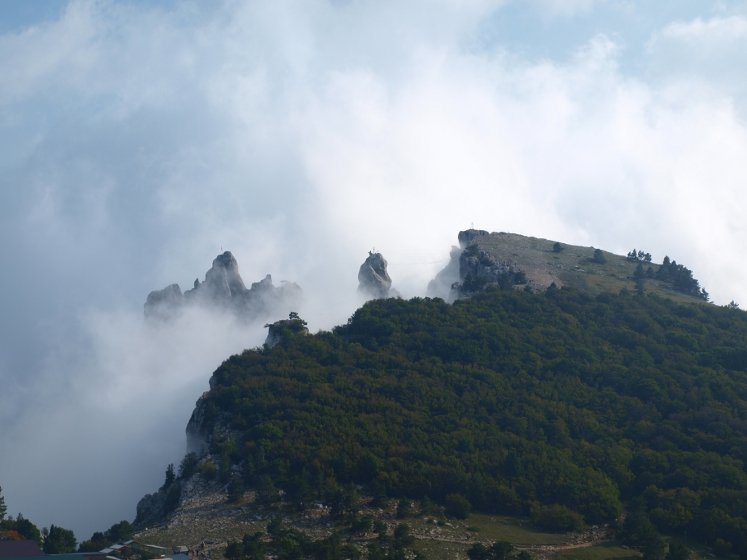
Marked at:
<point>574,266</point>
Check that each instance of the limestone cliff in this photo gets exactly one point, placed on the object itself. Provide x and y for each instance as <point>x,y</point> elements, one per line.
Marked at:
<point>223,288</point>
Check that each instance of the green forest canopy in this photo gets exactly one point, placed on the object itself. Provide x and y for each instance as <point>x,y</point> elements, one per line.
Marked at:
<point>512,400</point>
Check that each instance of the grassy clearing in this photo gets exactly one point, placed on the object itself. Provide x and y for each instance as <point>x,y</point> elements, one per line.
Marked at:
<point>575,266</point>
<point>516,530</point>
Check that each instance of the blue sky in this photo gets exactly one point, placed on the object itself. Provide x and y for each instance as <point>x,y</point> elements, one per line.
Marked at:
<point>138,138</point>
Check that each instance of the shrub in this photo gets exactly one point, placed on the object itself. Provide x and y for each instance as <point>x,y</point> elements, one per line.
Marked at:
<point>458,506</point>
<point>557,518</point>
<point>208,470</point>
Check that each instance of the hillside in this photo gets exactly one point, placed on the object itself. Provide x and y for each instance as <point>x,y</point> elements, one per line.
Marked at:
<point>534,264</point>
<point>562,406</point>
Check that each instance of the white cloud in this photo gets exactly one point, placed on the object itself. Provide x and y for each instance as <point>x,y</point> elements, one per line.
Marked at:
<point>137,141</point>
<point>711,50</point>
<point>568,8</point>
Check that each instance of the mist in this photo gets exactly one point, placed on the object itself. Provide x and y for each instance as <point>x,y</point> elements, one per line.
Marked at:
<point>140,139</point>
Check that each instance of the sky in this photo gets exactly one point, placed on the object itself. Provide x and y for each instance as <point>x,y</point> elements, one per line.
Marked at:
<point>138,139</point>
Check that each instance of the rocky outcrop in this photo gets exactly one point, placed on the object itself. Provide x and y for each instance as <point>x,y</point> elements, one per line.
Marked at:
<point>285,328</point>
<point>373,278</point>
<point>224,288</point>
<point>164,304</point>
<point>154,508</point>
<point>468,236</point>
<point>441,285</point>
<point>200,426</point>
<point>474,266</point>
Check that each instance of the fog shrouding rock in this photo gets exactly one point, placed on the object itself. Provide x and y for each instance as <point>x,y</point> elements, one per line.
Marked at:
<point>373,278</point>
<point>223,288</point>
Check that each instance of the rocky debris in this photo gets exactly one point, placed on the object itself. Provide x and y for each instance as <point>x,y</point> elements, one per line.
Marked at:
<point>373,278</point>
<point>223,288</point>
<point>281,330</point>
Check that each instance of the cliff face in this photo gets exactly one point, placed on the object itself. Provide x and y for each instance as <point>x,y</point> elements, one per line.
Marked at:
<point>224,288</point>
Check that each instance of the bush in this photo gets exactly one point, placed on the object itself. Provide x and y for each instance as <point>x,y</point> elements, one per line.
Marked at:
<point>557,518</point>
<point>208,470</point>
<point>188,465</point>
<point>458,506</point>
<point>599,257</point>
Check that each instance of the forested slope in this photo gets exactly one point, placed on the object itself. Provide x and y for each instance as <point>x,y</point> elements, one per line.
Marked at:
<point>511,399</point>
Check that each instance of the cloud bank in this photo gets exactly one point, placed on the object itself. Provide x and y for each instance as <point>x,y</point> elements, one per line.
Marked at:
<point>138,140</point>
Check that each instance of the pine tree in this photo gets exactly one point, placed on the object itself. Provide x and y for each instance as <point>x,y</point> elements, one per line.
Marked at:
<point>170,476</point>
<point>3,507</point>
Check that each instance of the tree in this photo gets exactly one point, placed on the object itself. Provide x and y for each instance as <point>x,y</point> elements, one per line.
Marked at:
<point>25,529</point>
<point>254,547</point>
<point>599,256</point>
<point>267,493</point>
<point>4,508</point>
<point>170,476</point>
<point>427,507</point>
<point>501,550</point>
<point>402,536</point>
<point>557,248</point>
<point>380,528</point>
<point>188,466</point>
<point>677,551</point>
<point>235,490</point>
<point>234,551</point>
<point>458,506</point>
<point>172,498</point>
<point>557,518</point>
<point>121,531</point>
<point>59,541</point>
<point>404,508</point>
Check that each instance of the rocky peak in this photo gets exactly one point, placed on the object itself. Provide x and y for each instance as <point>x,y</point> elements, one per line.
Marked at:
<point>469,235</point>
<point>373,278</point>
<point>223,279</point>
<point>224,288</point>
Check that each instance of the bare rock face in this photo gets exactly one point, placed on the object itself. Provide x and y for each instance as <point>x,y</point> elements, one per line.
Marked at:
<point>223,288</point>
<point>373,278</point>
